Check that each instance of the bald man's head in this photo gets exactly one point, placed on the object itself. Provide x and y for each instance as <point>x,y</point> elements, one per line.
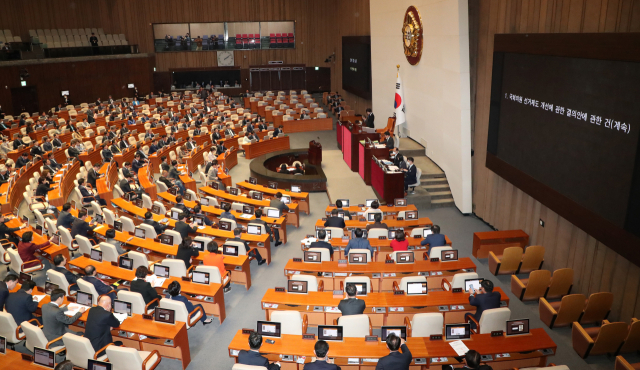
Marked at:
<point>105,302</point>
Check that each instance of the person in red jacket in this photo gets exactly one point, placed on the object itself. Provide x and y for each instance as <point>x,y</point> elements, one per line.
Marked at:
<point>400,243</point>
<point>27,249</point>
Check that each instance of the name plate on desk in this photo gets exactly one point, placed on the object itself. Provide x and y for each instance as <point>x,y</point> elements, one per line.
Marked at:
<point>310,236</point>
<point>114,263</point>
<point>486,358</point>
<point>371,338</point>
<point>247,331</point>
<point>389,261</point>
<point>27,357</point>
<point>456,290</point>
<point>324,219</point>
<point>338,294</point>
<point>417,236</point>
<point>353,361</point>
<point>400,218</point>
<point>185,278</point>
<point>327,274</point>
<point>297,260</point>
<point>420,361</point>
<point>497,333</point>
<point>398,292</point>
<point>443,308</point>
<point>382,238</point>
<point>435,337</point>
<point>423,273</point>
<point>332,205</point>
<point>360,205</point>
<point>309,336</point>
<point>147,317</point>
<point>281,289</point>
<point>361,219</point>
<point>547,351</point>
<point>435,259</point>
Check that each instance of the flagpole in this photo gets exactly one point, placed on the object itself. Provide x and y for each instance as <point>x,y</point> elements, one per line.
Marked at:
<point>397,127</point>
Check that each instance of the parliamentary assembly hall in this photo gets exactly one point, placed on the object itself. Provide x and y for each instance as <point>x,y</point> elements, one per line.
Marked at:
<point>319,184</point>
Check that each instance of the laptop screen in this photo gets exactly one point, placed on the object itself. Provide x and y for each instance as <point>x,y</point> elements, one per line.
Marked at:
<point>96,255</point>
<point>230,250</point>
<point>297,286</point>
<point>187,196</point>
<point>273,213</point>
<point>165,315</point>
<point>273,185</point>
<point>357,257</point>
<point>98,365</point>
<point>254,230</point>
<point>392,234</point>
<point>126,263</point>
<point>404,257</point>
<point>215,185</point>
<point>472,284</point>
<point>199,220</point>
<point>296,188</point>
<point>400,202</point>
<point>198,245</point>
<point>117,225</point>
<point>224,225</point>
<point>122,307</point>
<point>162,271</point>
<point>369,201</point>
<point>233,191</point>
<point>85,299</point>
<point>138,202</point>
<point>286,199</point>
<point>518,327</point>
<point>411,215</point>
<point>200,277</point>
<point>361,287</point>
<point>24,277</point>
<point>449,255</point>
<point>44,357</point>
<point>457,331</point>
<point>399,331</point>
<point>99,219</point>
<point>49,287</point>
<point>140,233</point>
<point>312,256</point>
<point>345,202</point>
<point>416,287</point>
<point>166,239</point>
<point>269,328</point>
<point>326,332</point>
<point>248,210</point>
<point>156,209</point>
<point>253,180</point>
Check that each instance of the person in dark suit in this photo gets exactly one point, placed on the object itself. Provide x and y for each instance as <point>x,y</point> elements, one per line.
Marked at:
<point>137,163</point>
<point>174,294</point>
<point>359,243</point>
<point>87,195</point>
<point>6,285</point>
<point>21,304</point>
<point>253,253</point>
<point>395,360</point>
<point>148,219</point>
<point>273,233</point>
<point>484,299</point>
<point>197,211</point>
<point>107,154</point>
<point>378,224</point>
<point>435,239</point>
<point>22,160</point>
<point>51,165</point>
<point>215,136</point>
<point>18,141</point>
<point>46,144</point>
<point>101,287</point>
<point>410,174</point>
<point>56,141</point>
<point>253,356</point>
<point>387,140</point>
<point>54,322</point>
<point>334,220</point>
<point>347,214</point>
<point>93,175</point>
<point>183,228</point>
<point>471,361</point>
<point>43,187</point>
<point>279,204</point>
<point>139,285</point>
<point>100,322</point>
<point>60,262</point>
<point>321,349</point>
<point>369,122</point>
<point>123,144</point>
<point>126,187</point>
<point>321,243</point>
<point>351,305</point>
<point>65,219</point>
<point>186,252</point>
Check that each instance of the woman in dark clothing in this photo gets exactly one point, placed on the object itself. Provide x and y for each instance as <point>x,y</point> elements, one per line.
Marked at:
<point>186,251</point>
<point>27,249</point>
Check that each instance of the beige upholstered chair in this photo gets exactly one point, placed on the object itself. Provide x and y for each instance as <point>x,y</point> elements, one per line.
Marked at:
<point>355,326</point>
<point>424,324</point>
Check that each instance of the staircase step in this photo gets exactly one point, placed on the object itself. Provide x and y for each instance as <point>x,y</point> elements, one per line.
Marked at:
<point>433,176</point>
<point>434,181</point>
<point>441,195</point>
<point>433,188</point>
<point>439,203</point>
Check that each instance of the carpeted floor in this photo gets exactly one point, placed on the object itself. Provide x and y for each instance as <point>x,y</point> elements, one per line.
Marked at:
<point>208,344</point>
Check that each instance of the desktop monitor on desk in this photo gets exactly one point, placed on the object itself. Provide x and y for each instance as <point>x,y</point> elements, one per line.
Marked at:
<point>198,245</point>
<point>411,215</point>
<point>253,181</point>
<point>215,185</point>
<point>400,202</point>
<point>3,346</point>
<point>224,204</point>
<point>224,225</point>
<point>230,250</point>
<point>200,277</point>
<point>96,255</point>
<point>85,299</point>
<point>99,219</point>
<point>49,287</point>
<point>345,203</point>
<point>361,287</point>
<point>204,201</point>
<point>404,257</point>
<point>138,202</point>
<point>122,307</point>
<point>369,202</point>
<point>156,209</point>
<point>126,263</point>
<point>417,288</point>
<point>391,234</point>
<point>44,357</point>
<point>233,191</point>
<point>312,256</point>
<point>269,329</point>
<point>297,286</point>
<point>273,185</point>
<point>187,196</point>
<point>273,213</point>
<point>517,327</point>
<point>457,331</point>
<point>166,239</point>
<point>98,365</point>
<point>199,220</point>
<point>399,331</point>
<point>286,199</point>
<point>257,195</point>
<point>330,333</point>
<point>296,189</point>
<point>371,216</point>
<point>358,257</point>
<point>449,255</point>
<point>175,215</point>
<point>117,225</point>
<point>254,230</point>
<point>247,210</point>
<point>165,315</point>
<point>161,271</point>
<point>24,277</point>
<point>140,233</point>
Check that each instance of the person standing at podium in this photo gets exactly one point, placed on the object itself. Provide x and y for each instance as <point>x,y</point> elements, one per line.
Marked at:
<point>370,118</point>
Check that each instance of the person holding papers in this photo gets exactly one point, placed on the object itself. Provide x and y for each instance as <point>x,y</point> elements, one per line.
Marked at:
<point>100,322</point>
<point>351,305</point>
<point>55,322</point>
<point>140,285</point>
<point>387,140</point>
<point>395,360</point>
<point>27,249</point>
<point>174,294</point>
<point>21,304</point>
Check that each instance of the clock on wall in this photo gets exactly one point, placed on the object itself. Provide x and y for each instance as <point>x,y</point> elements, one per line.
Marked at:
<point>225,58</point>
<point>412,35</point>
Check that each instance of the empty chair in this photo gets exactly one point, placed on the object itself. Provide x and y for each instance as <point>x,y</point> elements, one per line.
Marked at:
<point>176,267</point>
<point>336,232</point>
<point>374,233</point>
<point>506,264</point>
<point>163,211</point>
<point>79,350</point>
<point>532,259</point>
<point>177,238</point>
<point>127,224</point>
<point>214,274</point>
<point>131,359</point>
<point>532,288</point>
<point>59,279</point>
<point>355,326</point>
<point>292,322</point>
<point>424,324</point>
<point>605,339</point>
<point>631,342</point>
<point>358,251</point>
<point>8,330</point>
<point>436,252</point>
<point>84,245</point>
<point>458,280</point>
<point>137,302</point>
<point>139,259</point>
<point>564,312</point>
<point>598,308</point>
<point>356,279</point>
<point>561,283</point>
<point>150,232</point>
<point>491,320</point>
<point>109,216</point>
<point>109,252</point>
<point>325,254</point>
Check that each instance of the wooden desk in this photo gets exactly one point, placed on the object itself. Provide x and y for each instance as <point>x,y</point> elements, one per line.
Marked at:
<point>293,217</point>
<point>388,186</point>
<point>381,274</point>
<point>383,247</point>
<point>301,198</point>
<point>365,154</point>
<point>351,136</point>
<point>392,223</point>
<point>388,210</point>
<point>210,296</point>
<point>266,146</point>
<point>497,241</point>
<point>523,350</point>
<point>304,125</point>
<point>339,351</point>
<point>382,308</point>
<point>64,182</point>
<point>49,252</point>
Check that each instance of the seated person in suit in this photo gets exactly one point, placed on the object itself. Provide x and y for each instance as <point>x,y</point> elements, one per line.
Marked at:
<point>148,219</point>
<point>137,163</point>
<point>334,220</point>
<point>471,361</point>
<point>377,224</point>
<point>395,359</point>
<point>321,349</point>
<point>60,262</point>
<point>275,233</point>
<point>216,259</point>
<point>6,285</point>
<point>102,288</point>
<point>435,239</point>
<point>339,208</point>
<point>320,243</point>
<point>139,285</point>
<point>55,323</point>
<point>387,140</point>
<point>197,210</point>
<point>43,187</point>
<point>180,205</point>
<point>484,299</point>
<point>110,234</point>
<point>100,322</point>
<point>186,252</point>
<point>80,226</point>
<point>21,305</point>
<point>65,218</point>
<point>351,305</point>
<point>183,228</point>
<point>253,356</point>
<point>276,202</point>
<point>227,214</point>
<point>298,169</point>
<point>253,253</point>
<point>359,243</point>
<point>87,195</point>
<point>174,294</point>
<point>22,160</point>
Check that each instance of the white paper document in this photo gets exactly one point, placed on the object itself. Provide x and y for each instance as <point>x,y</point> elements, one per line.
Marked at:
<point>155,280</point>
<point>459,347</point>
<point>120,316</point>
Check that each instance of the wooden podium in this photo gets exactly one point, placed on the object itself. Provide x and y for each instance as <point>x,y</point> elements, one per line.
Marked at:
<point>315,153</point>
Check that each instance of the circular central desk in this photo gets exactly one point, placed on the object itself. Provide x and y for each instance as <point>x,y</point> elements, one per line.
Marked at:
<point>264,167</point>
